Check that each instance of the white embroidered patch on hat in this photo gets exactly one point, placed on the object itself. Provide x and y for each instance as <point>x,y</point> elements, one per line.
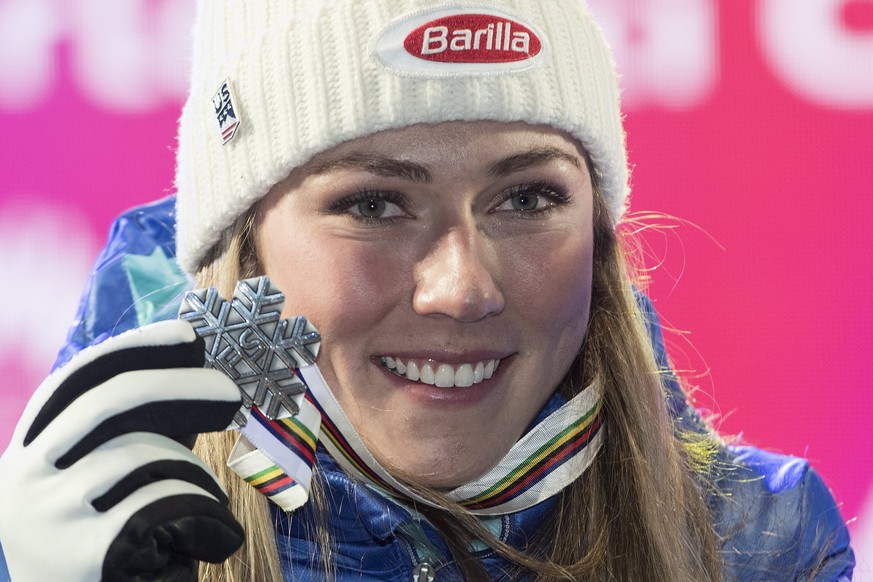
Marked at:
<point>453,41</point>
<point>225,112</point>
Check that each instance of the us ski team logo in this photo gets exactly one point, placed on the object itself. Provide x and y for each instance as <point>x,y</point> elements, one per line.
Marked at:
<point>459,41</point>
<point>225,112</point>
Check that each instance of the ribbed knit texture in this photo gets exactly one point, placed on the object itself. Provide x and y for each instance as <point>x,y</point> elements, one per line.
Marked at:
<point>304,80</point>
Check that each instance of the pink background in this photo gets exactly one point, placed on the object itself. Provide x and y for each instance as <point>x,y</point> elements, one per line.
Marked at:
<point>750,128</point>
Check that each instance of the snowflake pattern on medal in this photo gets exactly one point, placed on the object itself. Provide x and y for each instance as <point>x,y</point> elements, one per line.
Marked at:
<point>247,340</point>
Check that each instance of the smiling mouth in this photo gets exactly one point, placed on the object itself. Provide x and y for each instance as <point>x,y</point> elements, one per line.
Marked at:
<point>441,375</point>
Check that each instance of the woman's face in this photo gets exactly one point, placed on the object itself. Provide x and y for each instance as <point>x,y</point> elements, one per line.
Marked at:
<point>448,269</point>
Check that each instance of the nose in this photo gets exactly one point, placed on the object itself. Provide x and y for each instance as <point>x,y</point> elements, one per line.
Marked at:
<point>456,279</point>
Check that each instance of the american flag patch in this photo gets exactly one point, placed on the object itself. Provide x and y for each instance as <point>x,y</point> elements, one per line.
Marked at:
<point>225,112</point>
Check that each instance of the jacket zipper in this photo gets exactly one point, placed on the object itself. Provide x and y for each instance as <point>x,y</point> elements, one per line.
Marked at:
<point>424,572</point>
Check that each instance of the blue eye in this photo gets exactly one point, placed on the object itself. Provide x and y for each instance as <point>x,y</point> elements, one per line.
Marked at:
<point>371,208</point>
<point>531,199</point>
<point>525,201</point>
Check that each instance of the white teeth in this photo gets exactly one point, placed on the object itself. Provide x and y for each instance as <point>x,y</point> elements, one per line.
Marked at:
<point>489,368</point>
<point>445,375</point>
<point>478,373</point>
<point>427,375</point>
<point>463,377</point>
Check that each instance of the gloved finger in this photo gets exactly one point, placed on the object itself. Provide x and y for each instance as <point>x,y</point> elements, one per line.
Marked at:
<point>166,539</point>
<point>124,464</point>
<point>169,344</point>
<point>167,402</point>
<point>161,527</point>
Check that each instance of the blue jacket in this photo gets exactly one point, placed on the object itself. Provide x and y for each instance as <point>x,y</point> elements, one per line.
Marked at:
<point>777,519</point>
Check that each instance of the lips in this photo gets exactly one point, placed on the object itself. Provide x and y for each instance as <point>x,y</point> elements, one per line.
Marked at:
<point>440,374</point>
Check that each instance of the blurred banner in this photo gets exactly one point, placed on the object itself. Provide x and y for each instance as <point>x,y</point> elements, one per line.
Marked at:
<point>750,128</point>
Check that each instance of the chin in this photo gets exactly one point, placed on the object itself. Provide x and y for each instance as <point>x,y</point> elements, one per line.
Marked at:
<point>446,481</point>
<point>439,470</point>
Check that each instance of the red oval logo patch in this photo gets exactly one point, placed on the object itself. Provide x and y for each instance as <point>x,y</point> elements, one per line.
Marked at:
<point>473,38</point>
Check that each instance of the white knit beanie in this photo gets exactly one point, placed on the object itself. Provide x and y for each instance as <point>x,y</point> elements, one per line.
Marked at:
<point>275,82</point>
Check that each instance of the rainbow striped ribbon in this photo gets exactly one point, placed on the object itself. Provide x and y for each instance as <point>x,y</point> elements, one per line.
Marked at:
<point>276,457</point>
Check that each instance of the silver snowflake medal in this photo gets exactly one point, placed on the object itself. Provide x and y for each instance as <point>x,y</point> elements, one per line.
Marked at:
<point>247,339</point>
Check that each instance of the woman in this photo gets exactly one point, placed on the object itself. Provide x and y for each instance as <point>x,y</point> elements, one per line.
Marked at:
<point>436,187</point>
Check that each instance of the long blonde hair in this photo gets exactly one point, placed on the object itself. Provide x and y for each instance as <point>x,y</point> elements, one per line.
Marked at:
<point>637,513</point>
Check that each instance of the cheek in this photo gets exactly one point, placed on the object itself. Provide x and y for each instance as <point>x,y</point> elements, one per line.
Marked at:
<point>562,301</point>
<point>342,287</point>
<point>553,284</point>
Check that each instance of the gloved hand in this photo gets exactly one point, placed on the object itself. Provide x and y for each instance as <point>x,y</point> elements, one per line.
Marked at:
<point>93,485</point>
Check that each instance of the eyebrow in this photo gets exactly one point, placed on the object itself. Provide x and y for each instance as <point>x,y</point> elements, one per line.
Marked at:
<point>378,165</point>
<point>534,157</point>
<point>389,167</point>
